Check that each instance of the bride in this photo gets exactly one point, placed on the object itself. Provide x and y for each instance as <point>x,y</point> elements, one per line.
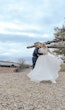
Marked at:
<point>47,66</point>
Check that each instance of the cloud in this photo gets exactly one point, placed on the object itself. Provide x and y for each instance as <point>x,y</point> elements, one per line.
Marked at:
<point>9,25</point>
<point>25,15</point>
<point>25,39</point>
<point>10,49</point>
<point>24,30</point>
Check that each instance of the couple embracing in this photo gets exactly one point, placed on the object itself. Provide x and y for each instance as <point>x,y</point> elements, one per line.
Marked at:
<point>46,64</point>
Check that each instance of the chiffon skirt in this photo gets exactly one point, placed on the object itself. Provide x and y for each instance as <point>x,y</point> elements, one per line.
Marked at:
<point>47,68</point>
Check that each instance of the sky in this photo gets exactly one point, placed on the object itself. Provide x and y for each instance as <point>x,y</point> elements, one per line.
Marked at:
<point>23,22</point>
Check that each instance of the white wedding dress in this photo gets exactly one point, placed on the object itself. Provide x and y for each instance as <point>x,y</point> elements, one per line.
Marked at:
<point>46,68</point>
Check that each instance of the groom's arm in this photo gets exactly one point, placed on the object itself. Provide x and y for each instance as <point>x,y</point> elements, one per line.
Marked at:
<point>40,53</point>
<point>37,53</point>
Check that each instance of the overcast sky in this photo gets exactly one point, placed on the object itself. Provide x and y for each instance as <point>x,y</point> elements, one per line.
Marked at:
<point>22,22</point>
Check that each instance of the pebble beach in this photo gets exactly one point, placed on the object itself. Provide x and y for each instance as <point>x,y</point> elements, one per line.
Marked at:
<point>17,92</point>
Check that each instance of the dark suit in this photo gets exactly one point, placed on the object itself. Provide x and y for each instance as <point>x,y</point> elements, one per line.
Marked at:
<point>35,56</point>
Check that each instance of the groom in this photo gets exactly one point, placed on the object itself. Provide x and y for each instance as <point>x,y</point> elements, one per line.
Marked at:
<point>36,53</point>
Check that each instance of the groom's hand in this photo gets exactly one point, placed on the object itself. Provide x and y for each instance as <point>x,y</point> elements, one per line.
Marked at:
<point>40,54</point>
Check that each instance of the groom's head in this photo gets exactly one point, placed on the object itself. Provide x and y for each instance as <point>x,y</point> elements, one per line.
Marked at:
<point>37,44</point>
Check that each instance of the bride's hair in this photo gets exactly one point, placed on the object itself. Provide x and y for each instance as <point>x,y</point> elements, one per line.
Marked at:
<point>43,45</point>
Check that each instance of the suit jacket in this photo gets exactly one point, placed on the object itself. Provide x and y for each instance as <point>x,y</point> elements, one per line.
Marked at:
<point>36,53</point>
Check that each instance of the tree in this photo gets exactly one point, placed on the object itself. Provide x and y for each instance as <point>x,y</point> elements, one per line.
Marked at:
<point>58,42</point>
<point>21,63</point>
<point>60,35</point>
